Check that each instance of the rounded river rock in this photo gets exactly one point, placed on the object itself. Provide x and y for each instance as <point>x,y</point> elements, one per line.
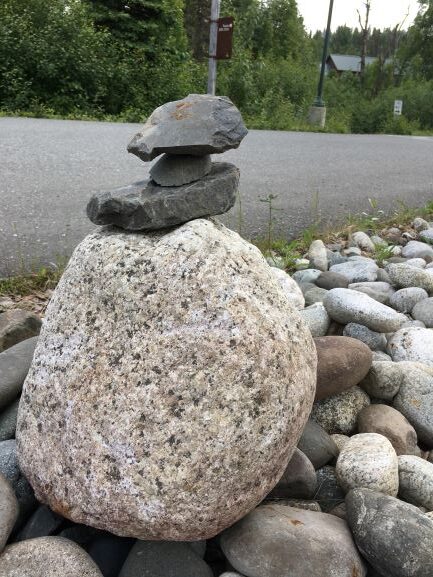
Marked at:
<point>170,385</point>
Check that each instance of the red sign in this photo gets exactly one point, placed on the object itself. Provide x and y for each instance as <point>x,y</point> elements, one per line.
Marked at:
<point>225,38</point>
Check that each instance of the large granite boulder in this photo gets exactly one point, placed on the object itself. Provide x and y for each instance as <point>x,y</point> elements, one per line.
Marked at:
<point>170,385</point>
<point>197,125</point>
<point>148,206</point>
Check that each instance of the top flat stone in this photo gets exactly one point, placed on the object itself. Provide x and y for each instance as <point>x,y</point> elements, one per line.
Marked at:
<point>197,125</point>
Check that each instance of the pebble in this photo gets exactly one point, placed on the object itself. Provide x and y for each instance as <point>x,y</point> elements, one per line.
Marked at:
<point>405,276</point>
<point>340,440</point>
<point>427,235</point>
<point>8,511</point>
<point>17,325</point>
<point>329,280</point>
<point>420,224</point>
<point>109,552</point>
<point>317,319</point>
<point>383,380</point>
<point>336,258</point>
<point>416,249</point>
<point>42,523</point>
<point>416,262</point>
<point>14,366</point>
<point>8,421</point>
<point>412,344</point>
<point>299,480</point>
<point>379,291</point>
<point>415,401</point>
<point>329,493</point>
<point>375,341</point>
<point>423,311</point>
<point>338,414</point>
<point>308,543</point>
<point>363,241</point>
<point>416,481</point>
<point>315,295</point>
<point>47,557</point>
<point>405,299</point>
<point>342,363</point>
<point>383,276</point>
<point>317,255</point>
<point>317,445</point>
<point>368,461</point>
<point>309,275</point>
<point>381,356</point>
<point>290,288</point>
<point>9,461</point>
<point>390,423</point>
<point>164,559</point>
<point>352,251</point>
<point>349,306</point>
<point>395,538</point>
<point>357,270</point>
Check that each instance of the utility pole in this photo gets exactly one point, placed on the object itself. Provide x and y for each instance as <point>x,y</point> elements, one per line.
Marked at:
<point>318,110</point>
<point>215,14</point>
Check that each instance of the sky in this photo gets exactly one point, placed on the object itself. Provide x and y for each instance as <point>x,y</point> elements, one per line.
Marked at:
<point>384,13</point>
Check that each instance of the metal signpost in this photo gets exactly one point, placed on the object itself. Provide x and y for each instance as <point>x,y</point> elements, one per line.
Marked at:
<point>213,41</point>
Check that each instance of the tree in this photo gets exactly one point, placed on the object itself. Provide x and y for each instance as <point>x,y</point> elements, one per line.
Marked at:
<point>418,47</point>
<point>196,18</point>
<point>364,24</point>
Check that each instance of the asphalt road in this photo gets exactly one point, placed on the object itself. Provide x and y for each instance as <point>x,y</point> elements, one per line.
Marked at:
<point>49,169</point>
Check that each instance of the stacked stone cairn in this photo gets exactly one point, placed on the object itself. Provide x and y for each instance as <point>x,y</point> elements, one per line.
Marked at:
<point>166,425</point>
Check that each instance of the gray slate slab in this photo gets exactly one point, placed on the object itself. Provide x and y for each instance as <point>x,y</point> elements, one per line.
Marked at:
<point>147,206</point>
<point>176,170</point>
<point>198,125</point>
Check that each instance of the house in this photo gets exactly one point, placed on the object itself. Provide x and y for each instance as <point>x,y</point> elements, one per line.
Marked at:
<point>344,63</point>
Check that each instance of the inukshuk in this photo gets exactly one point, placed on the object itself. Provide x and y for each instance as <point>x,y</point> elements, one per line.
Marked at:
<point>172,377</point>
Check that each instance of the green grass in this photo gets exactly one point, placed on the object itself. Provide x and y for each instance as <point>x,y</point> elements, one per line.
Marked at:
<point>27,284</point>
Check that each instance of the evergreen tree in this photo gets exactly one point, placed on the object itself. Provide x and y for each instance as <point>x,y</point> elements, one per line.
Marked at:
<point>196,18</point>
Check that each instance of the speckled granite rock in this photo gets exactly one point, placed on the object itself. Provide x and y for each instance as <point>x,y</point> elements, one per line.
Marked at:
<point>198,125</point>
<point>416,481</point>
<point>170,385</point>
<point>147,206</point>
<point>290,287</point>
<point>405,276</point>
<point>338,414</point>
<point>17,325</point>
<point>412,344</point>
<point>368,461</point>
<point>47,557</point>
<point>279,541</point>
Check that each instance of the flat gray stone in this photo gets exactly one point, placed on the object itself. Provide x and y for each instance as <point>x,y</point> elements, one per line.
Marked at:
<point>309,275</point>
<point>42,523</point>
<point>368,460</point>
<point>17,325</point>
<point>317,255</point>
<point>315,295</point>
<point>416,249</point>
<point>329,280</point>
<point>349,306</point>
<point>47,557</point>
<point>174,170</point>
<point>299,479</point>
<point>363,270</point>
<point>147,206</point>
<point>375,341</point>
<point>416,481</point>
<point>405,299</point>
<point>164,559</point>
<point>392,535</point>
<point>8,511</point>
<point>379,291</point>
<point>423,311</point>
<point>280,541</point>
<point>427,235</point>
<point>197,125</point>
<point>14,366</point>
<point>317,445</point>
<point>8,421</point>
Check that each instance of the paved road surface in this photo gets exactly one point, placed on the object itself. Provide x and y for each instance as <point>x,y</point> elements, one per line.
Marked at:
<point>49,168</point>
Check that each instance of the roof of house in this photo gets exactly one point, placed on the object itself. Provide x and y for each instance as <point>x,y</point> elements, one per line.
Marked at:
<point>346,63</point>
